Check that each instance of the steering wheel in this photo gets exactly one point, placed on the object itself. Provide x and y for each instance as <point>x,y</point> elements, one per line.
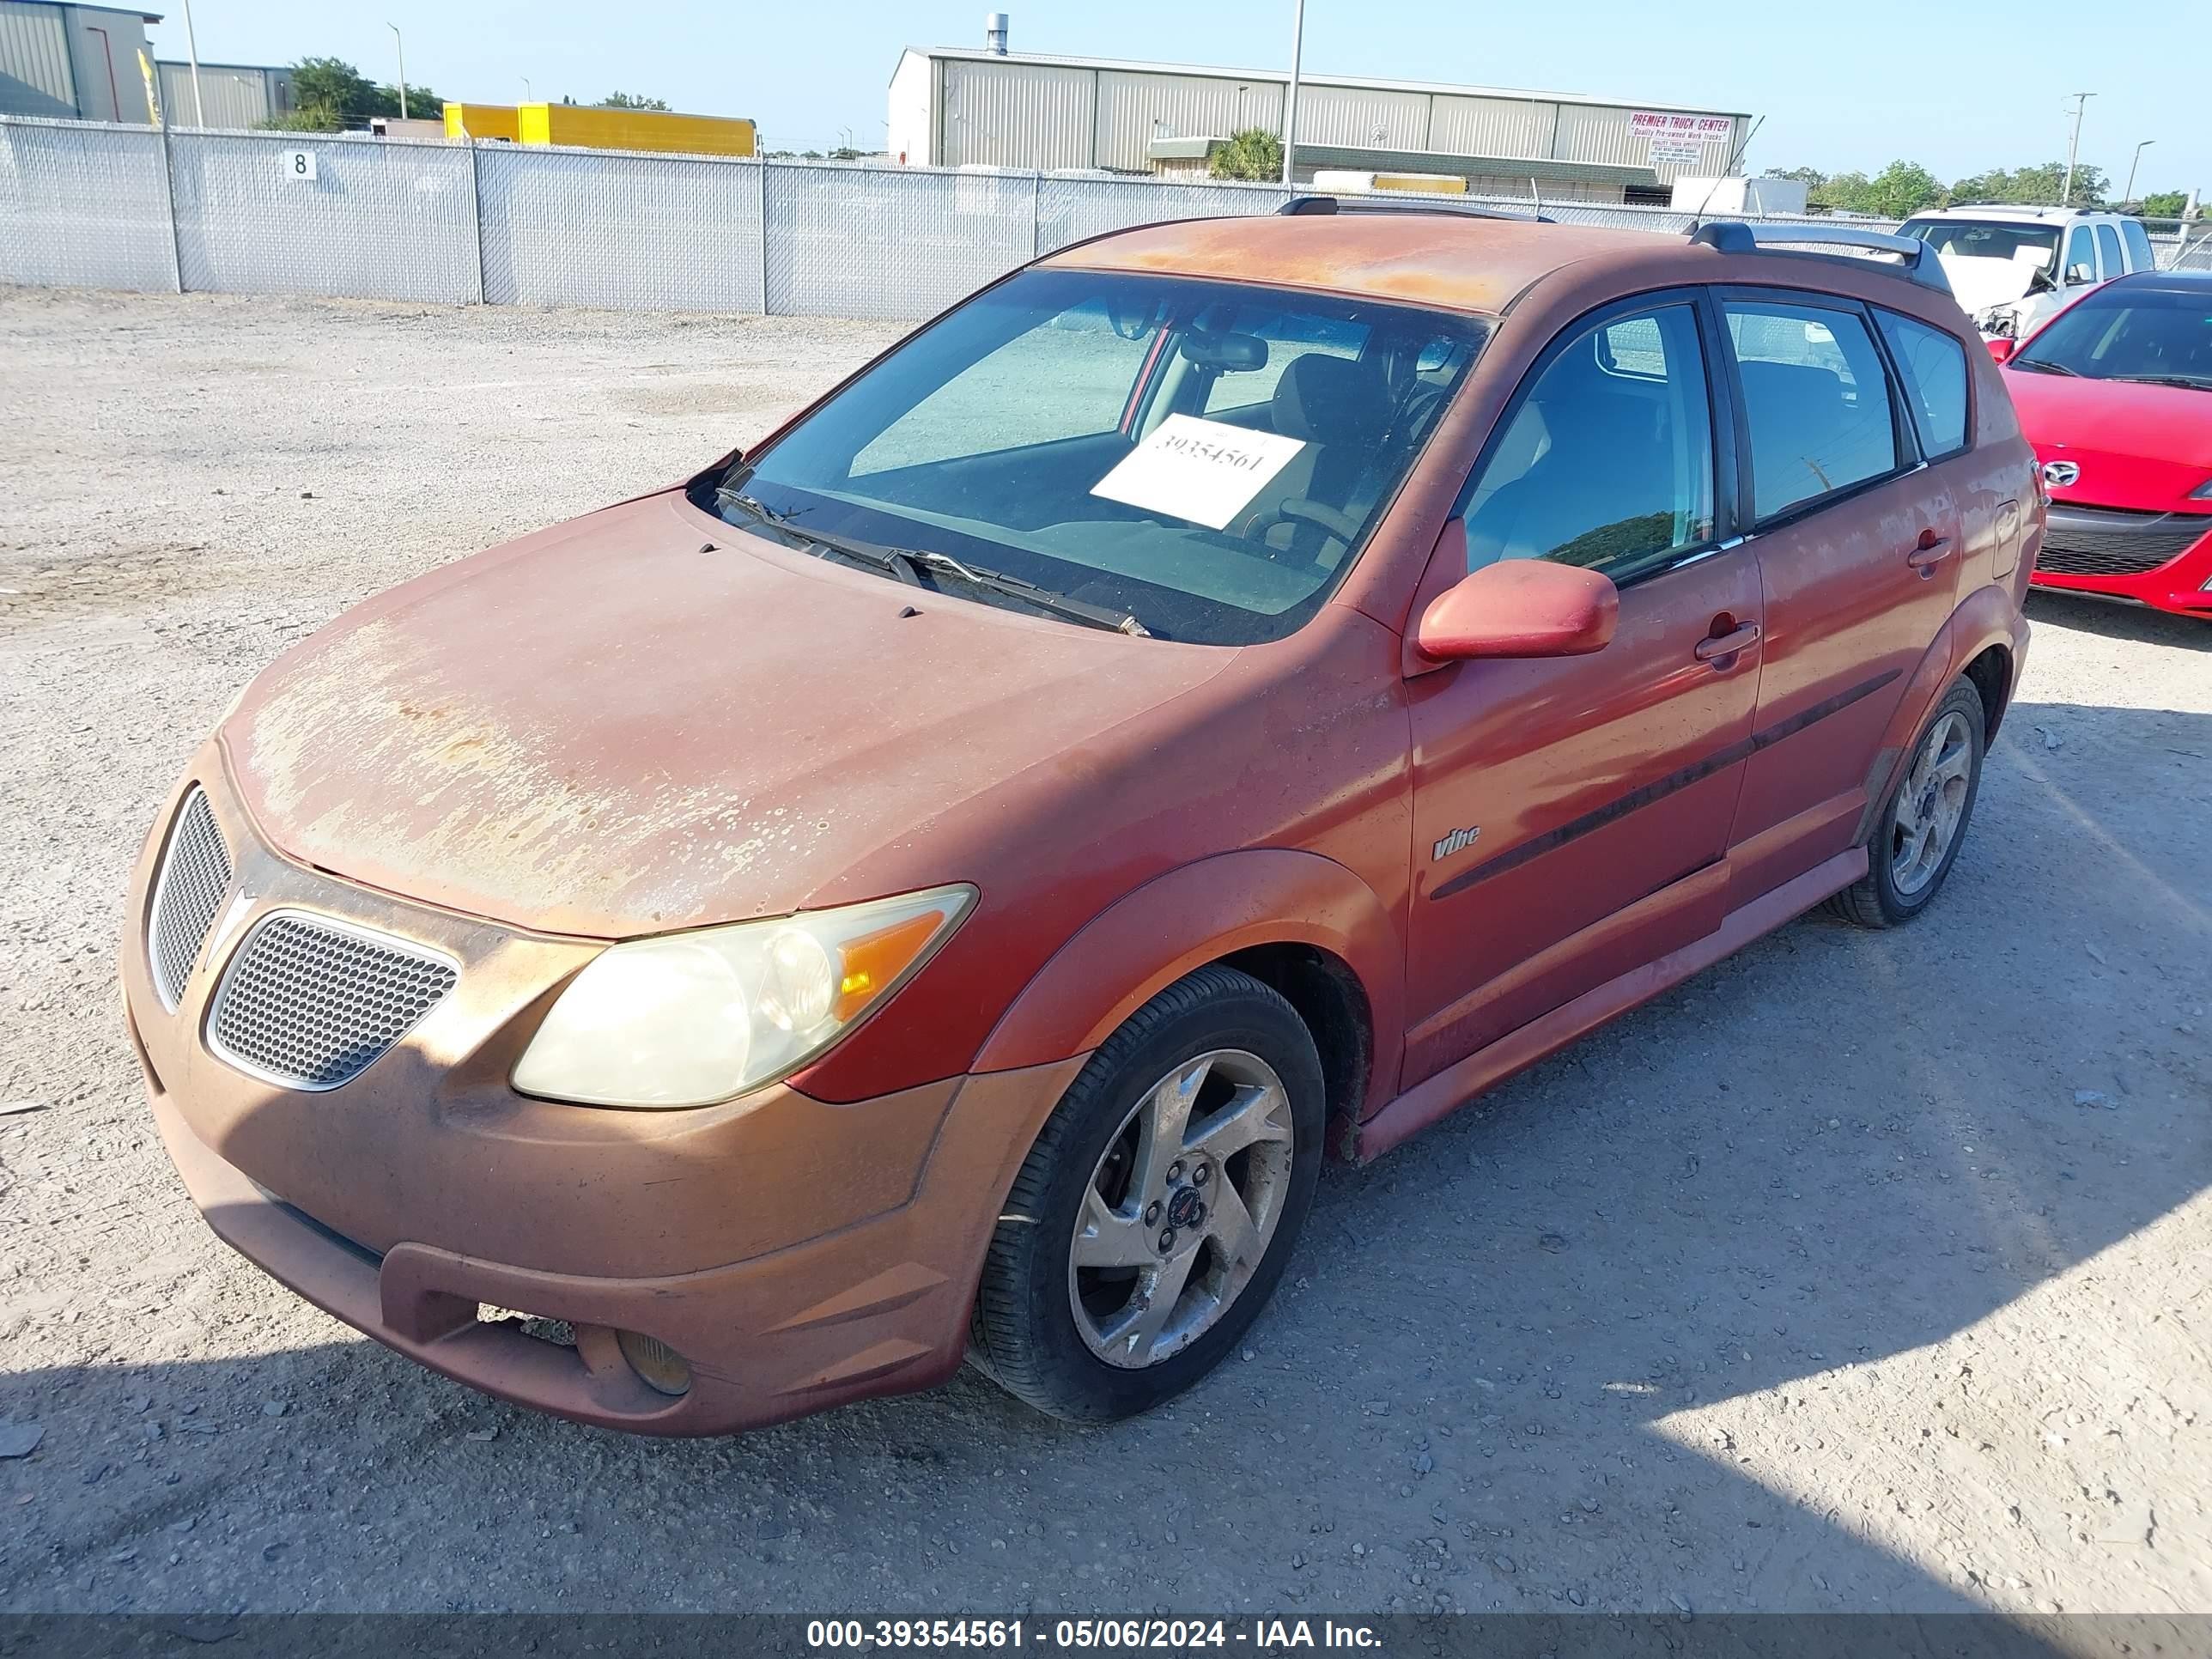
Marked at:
<point>1340,527</point>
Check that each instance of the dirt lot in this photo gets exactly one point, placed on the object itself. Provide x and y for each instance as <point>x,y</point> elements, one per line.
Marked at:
<point>1862,1272</point>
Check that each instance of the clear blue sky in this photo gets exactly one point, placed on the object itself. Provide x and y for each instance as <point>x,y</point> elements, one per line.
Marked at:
<point>1961,87</point>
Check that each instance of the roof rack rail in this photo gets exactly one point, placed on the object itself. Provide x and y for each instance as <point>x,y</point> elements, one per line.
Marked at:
<point>1916,260</point>
<point>1300,205</point>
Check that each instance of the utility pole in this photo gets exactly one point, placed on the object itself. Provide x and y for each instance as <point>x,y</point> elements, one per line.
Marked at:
<point>192,50</point>
<point>1290,101</point>
<point>402,47</point>
<point>2073,149</point>
<point>2130,195</point>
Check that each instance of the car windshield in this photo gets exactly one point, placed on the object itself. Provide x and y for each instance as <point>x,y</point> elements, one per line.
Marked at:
<point>2030,247</point>
<point>1207,458</point>
<point>2125,332</point>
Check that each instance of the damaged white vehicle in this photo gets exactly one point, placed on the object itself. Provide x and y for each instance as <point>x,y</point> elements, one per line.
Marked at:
<point>2014,268</point>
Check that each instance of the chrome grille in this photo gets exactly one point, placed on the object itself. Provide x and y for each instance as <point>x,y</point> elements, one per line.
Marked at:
<point>310,1002</point>
<point>195,871</point>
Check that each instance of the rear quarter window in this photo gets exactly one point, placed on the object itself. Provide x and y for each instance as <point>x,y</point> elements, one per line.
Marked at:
<point>1934,367</point>
<point>2139,257</point>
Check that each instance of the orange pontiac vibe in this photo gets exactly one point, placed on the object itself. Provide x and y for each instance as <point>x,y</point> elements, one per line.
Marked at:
<point>938,885</point>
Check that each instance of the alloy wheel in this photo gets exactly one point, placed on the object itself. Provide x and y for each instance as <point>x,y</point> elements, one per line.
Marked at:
<point>1931,804</point>
<point>1178,1213</point>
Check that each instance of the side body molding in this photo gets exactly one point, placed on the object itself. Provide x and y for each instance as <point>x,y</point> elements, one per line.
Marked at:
<point>1179,921</point>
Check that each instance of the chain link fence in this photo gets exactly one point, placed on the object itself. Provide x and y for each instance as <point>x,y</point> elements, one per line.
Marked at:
<point>92,205</point>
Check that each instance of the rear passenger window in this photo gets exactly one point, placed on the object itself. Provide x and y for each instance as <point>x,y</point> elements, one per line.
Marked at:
<point>1609,461</point>
<point>1934,365</point>
<point>2108,245</point>
<point>1816,399</point>
<point>2140,257</point>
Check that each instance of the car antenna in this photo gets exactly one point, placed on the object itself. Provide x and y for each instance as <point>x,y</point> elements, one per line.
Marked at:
<point>1697,219</point>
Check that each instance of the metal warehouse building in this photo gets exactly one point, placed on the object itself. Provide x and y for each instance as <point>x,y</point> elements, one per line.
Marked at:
<point>228,94</point>
<point>952,107</point>
<point>77,63</point>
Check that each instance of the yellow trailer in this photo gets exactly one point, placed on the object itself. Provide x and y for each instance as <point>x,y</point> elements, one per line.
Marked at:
<point>481,121</point>
<point>591,128</point>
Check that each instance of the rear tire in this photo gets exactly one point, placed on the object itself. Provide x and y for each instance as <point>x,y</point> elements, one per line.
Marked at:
<point>1152,1217</point>
<point>1921,822</point>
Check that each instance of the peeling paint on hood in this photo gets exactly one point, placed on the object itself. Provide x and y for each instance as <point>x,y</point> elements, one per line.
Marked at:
<point>603,730</point>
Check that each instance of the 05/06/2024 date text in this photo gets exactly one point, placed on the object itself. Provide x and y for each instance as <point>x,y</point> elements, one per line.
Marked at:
<point>1170,1635</point>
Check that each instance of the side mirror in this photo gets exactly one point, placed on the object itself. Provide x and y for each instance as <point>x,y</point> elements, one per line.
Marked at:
<point>1520,608</point>
<point>2003,348</point>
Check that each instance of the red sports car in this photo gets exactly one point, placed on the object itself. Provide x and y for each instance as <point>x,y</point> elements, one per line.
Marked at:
<point>2115,392</point>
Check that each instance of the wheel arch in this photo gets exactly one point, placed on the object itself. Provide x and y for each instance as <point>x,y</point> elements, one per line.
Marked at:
<point>1300,922</point>
<point>1984,641</point>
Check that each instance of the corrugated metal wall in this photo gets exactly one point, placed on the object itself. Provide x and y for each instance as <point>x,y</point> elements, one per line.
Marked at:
<point>229,96</point>
<point>1015,114</point>
<point>1493,126</point>
<point>1182,106</point>
<point>1347,115</point>
<point>1592,132</point>
<point>34,62</point>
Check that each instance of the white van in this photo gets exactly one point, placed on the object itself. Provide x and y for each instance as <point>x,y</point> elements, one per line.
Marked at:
<point>2012,267</point>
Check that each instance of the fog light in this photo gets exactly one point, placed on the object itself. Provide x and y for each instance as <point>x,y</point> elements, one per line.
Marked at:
<point>659,1366</point>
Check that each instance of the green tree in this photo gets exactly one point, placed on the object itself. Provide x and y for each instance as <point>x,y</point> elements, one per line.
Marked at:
<point>2165,204</point>
<point>1901,189</point>
<point>329,93</point>
<point>625,101</point>
<point>1841,193</point>
<point>1255,153</point>
<point>2035,186</point>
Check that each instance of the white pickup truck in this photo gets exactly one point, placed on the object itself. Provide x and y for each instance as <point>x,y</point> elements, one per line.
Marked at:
<point>2014,267</point>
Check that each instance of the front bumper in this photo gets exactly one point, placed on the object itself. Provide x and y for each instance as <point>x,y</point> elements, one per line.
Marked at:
<point>2162,560</point>
<point>798,1253</point>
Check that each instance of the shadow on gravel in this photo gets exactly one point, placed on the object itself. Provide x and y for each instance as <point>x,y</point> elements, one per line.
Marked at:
<point>1766,1194</point>
<point>2119,622</point>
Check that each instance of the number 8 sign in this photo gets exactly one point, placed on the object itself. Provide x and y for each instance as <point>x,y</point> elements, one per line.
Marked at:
<point>300,164</point>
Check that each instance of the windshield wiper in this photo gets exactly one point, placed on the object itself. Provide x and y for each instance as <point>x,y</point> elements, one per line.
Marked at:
<point>2188,382</point>
<point>1043,598</point>
<point>907,563</point>
<point>2042,367</point>
<point>891,559</point>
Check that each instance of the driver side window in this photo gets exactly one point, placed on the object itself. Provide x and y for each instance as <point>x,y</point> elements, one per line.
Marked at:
<point>2081,256</point>
<point>1607,461</point>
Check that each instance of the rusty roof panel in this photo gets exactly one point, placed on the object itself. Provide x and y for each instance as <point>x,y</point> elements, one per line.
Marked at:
<point>1455,261</point>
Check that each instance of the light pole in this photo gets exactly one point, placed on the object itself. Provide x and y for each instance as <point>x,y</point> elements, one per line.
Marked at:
<point>2130,195</point>
<point>1290,101</point>
<point>2066,191</point>
<point>192,50</point>
<point>400,45</point>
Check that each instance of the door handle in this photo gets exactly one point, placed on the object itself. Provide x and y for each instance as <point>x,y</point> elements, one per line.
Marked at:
<point>1723,645</point>
<point>1931,551</point>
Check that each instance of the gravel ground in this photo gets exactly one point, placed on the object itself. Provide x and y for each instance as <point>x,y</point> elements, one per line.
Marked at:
<point>1862,1272</point>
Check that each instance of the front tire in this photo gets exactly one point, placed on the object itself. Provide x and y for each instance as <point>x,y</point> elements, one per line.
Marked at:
<point>1923,821</point>
<point>1152,1217</point>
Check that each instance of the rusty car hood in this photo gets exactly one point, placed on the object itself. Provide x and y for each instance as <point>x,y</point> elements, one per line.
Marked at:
<point>604,729</point>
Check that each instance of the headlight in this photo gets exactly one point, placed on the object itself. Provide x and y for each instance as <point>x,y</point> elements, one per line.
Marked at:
<point>2203,492</point>
<point>692,1018</point>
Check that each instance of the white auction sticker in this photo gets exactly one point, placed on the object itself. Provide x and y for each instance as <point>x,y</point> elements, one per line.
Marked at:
<point>1197,470</point>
